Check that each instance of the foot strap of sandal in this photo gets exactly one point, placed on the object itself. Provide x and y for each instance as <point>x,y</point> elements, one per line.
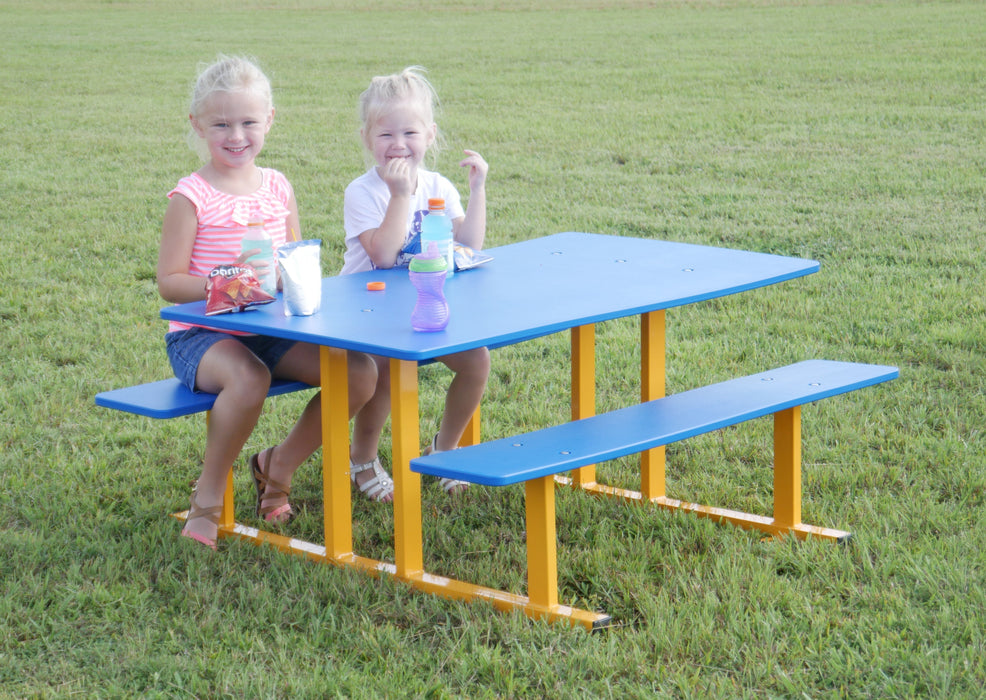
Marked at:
<point>269,488</point>
<point>449,485</point>
<point>377,488</point>
<point>195,512</point>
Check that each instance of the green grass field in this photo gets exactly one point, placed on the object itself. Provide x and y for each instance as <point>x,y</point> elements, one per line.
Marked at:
<point>847,132</point>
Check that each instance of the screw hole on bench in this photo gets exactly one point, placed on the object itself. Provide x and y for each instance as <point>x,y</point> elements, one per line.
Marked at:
<point>815,384</point>
<point>688,269</point>
<point>618,260</point>
<point>566,452</point>
<point>518,444</point>
<point>767,379</point>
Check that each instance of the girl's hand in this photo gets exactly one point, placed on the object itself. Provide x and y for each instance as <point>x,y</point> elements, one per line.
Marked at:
<point>477,169</point>
<point>398,176</point>
<point>260,266</point>
<point>246,255</point>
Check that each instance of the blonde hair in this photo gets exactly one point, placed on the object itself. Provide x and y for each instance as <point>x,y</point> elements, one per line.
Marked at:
<point>227,74</point>
<point>410,85</point>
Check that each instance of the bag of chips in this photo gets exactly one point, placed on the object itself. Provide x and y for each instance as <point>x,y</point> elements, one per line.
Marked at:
<point>232,288</point>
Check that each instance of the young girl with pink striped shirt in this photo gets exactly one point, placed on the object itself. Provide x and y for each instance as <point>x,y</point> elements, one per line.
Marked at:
<point>231,113</point>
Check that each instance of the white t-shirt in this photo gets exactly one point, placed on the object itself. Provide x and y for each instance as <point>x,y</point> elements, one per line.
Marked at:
<point>366,204</point>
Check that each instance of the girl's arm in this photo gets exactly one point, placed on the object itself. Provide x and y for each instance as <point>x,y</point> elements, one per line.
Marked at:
<point>293,232</point>
<point>174,283</point>
<point>384,243</point>
<point>178,232</point>
<point>470,230</point>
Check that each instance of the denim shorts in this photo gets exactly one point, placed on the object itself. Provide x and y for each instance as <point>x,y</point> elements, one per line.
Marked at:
<point>186,348</point>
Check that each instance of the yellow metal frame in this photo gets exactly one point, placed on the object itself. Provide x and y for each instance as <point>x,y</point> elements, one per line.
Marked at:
<point>542,601</point>
<point>542,572</point>
<point>787,450</point>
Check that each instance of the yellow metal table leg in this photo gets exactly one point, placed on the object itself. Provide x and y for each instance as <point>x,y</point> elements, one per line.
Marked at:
<point>337,501</point>
<point>542,543</point>
<point>407,484</point>
<point>652,386</point>
<point>584,388</point>
<point>787,467</point>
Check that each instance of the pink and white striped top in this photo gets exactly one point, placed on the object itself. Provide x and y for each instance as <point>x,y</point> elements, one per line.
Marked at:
<point>223,218</point>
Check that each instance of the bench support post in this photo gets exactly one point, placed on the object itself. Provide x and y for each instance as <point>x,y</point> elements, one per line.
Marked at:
<point>405,432</point>
<point>584,388</point>
<point>652,386</point>
<point>787,467</point>
<point>471,434</point>
<point>227,517</point>
<point>338,506</point>
<point>542,552</point>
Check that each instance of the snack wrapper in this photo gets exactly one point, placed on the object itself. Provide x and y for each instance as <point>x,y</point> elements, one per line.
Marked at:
<point>232,288</point>
<point>301,277</point>
<point>466,258</point>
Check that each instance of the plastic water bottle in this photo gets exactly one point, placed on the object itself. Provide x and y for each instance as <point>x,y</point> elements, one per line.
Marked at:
<point>257,237</point>
<point>437,228</point>
<point>427,273</point>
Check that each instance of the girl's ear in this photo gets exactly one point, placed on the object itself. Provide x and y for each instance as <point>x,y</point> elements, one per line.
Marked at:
<point>195,125</point>
<point>432,133</point>
<point>270,121</point>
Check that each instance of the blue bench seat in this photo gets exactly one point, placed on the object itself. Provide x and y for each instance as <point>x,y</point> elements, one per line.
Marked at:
<point>169,398</point>
<point>536,458</point>
<point>651,424</point>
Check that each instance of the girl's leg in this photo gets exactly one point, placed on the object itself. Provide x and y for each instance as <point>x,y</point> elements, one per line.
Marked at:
<point>241,381</point>
<point>472,370</point>
<point>372,416</point>
<point>367,428</point>
<point>301,362</point>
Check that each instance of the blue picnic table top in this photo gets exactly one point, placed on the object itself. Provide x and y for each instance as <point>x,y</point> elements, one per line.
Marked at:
<point>529,289</point>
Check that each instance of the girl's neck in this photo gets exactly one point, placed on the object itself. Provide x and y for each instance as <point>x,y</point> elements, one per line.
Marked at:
<point>235,181</point>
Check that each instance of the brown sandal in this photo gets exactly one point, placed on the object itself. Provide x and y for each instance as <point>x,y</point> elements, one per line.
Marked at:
<point>195,512</point>
<point>262,481</point>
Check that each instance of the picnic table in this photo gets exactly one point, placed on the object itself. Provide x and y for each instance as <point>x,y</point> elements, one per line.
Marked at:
<point>563,282</point>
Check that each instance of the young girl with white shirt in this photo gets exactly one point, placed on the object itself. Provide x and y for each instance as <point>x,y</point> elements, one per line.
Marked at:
<point>383,212</point>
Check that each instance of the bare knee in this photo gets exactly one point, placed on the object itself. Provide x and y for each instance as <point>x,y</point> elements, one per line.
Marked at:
<point>233,372</point>
<point>474,364</point>
<point>248,385</point>
<point>362,376</point>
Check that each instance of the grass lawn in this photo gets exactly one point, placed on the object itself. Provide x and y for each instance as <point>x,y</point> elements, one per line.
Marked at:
<point>846,132</point>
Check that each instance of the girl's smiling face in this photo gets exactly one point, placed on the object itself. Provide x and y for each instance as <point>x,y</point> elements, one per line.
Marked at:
<point>234,126</point>
<point>400,133</point>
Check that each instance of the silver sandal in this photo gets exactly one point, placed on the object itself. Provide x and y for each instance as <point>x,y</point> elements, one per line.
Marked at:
<point>451,486</point>
<point>379,487</point>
